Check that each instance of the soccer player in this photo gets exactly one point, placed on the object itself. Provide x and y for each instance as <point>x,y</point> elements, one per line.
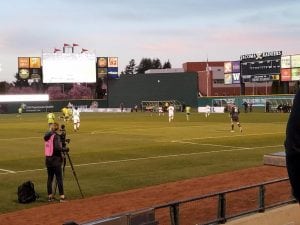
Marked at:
<point>65,114</point>
<point>20,110</point>
<point>207,111</point>
<point>160,110</point>
<point>51,118</point>
<point>234,115</point>
<point>70,113</point>
<point>171,110</point>
<point>76,119</point>
<point>187,112</point>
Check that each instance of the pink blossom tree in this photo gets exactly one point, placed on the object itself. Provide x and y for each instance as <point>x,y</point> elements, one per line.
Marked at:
<point>21,90</point>
<point>80,92</point>
<point>56,93</point>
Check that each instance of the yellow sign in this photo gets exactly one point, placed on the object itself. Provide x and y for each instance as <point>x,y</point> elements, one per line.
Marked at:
<point>23,62</point>
<point>35,62</point>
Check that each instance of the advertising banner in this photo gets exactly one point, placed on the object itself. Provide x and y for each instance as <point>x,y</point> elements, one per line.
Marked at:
<point>23,62</point>
<point>227,78</point>
<point>227,67</point>
<point>286,62</point>
<point>295,74</point>
<point>295,61</point>
<point>35,62</point>
<point>101,72</point>
<point>236,78</point>
<point>236,67</point>
<point>112,62</point>
<point>24,73</point>
<point>286,75</point>
<point>102,62</point>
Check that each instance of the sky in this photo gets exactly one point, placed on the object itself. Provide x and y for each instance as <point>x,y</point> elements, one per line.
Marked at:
<point>175,30</point>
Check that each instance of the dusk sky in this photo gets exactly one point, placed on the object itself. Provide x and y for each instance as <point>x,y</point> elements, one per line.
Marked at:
<point>181,31</point>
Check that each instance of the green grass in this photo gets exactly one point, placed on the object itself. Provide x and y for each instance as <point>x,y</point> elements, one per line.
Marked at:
<point>117,152</point>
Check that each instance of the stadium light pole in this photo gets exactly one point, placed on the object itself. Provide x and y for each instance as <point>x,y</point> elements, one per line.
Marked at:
<point>208,69</point>
<point>207,82</point>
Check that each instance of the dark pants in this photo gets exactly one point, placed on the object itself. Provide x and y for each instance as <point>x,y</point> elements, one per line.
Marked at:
<point>57,171</point>
<point>293,168</point>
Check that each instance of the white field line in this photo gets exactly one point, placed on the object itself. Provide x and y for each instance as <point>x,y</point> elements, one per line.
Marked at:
<point>226,146</point>
<point>227,136</point>
<point>7,171</point>
<point>113,131</point>
<point>154,157</point>
<point>195,143</point>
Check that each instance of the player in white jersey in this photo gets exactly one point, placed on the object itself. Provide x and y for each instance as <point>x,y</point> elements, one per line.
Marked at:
<point>160,111</point>
<point>76,119</point>
<point>171,110</point>
<point>207,111</point>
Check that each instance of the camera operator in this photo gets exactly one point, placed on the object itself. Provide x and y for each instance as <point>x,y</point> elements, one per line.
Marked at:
<point>63,135</point>
<point>54,160</point>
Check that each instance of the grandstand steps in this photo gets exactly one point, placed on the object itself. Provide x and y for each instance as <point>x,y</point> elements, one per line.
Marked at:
<point>275,159</point>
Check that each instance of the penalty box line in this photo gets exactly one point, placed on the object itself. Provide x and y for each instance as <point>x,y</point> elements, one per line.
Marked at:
<point>148,158</point>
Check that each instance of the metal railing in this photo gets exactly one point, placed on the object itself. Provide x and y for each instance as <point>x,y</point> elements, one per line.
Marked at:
<point>223,210</point>
<point>216,208</point>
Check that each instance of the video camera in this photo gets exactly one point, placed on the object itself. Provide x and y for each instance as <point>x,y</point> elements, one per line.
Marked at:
<point>63,139</point>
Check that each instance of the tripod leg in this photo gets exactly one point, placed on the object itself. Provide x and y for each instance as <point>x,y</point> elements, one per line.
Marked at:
<point>74,174</point>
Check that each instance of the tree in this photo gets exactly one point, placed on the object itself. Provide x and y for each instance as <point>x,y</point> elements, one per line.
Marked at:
<point>4,86</point>
<point>20,82</point>
<point>21,90</point>
<point>145,64</point>
<point>167,65</point>
<point>55,93</point>
<point>130,68</point>
<point>156,64</point>
<point>80,92</point>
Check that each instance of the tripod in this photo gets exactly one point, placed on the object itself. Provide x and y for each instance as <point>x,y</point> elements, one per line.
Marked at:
<point>67,155</point>
<point>73,171</point>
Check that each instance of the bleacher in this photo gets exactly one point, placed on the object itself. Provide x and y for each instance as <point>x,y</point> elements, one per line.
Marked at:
<point>282,104</point>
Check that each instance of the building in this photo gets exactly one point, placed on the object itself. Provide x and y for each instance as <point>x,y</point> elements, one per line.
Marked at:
<point>211,81</point>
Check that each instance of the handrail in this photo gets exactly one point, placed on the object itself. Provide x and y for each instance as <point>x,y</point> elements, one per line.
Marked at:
<point>221,217</point>
<point>222,192</point>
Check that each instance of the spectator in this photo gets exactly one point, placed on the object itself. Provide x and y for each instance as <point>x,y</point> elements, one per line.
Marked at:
<point>292,147</point>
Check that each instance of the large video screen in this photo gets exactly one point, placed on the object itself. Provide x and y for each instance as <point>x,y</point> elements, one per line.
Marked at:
<point>69,68</point>
<point>261,66</point>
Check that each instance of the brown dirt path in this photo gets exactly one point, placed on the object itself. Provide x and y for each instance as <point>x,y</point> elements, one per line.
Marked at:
<point>88,209</point>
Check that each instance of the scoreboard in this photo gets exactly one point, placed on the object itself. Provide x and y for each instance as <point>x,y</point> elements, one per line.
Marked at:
<point>261,67</point>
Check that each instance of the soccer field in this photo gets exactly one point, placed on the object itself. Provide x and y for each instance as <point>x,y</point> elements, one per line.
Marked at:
<point>117,152</point>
